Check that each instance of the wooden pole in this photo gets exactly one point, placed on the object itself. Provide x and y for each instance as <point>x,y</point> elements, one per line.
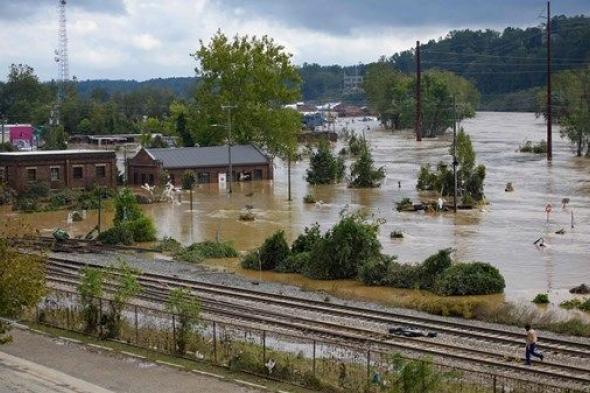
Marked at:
<point>549,104</point>
<point>418,95</point>
<point>455,163</point>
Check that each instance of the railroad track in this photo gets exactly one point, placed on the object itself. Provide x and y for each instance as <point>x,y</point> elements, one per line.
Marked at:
<point>157,287</point>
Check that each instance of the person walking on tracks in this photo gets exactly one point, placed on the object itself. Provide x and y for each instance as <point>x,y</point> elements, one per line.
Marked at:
<point>531,345</point>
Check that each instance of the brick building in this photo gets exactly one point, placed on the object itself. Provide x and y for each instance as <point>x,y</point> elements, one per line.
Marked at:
<point>207,163</point>
<point>59,169</point>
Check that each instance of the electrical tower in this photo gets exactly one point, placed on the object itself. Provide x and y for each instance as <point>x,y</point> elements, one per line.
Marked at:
<point>61,59</point>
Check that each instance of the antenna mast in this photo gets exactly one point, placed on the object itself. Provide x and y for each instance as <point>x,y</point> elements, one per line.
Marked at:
<point>61,53</point>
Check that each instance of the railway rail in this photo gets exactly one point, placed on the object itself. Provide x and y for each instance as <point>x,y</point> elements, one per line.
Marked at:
<point>157,286</point>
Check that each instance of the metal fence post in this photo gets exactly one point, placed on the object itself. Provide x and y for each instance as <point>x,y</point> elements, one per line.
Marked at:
<point>313,364</point>
<point>263,347</point>
<point>136,326</point>
<point>368,367</point>
<point>100,316</point>
<point>174,333</point>
<point>214,342</point>
<point>494,382</point>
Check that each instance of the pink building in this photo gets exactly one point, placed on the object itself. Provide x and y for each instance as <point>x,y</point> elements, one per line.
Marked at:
<point>21,136</point>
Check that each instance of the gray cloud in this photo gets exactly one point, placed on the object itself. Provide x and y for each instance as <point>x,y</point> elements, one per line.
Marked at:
<point>22,9</point>
<point>346,16</point>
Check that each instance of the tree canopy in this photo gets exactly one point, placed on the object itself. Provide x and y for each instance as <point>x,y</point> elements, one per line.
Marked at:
<point>246,81</point>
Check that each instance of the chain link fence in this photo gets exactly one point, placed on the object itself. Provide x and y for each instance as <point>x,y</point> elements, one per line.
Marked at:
<point>324,365</point>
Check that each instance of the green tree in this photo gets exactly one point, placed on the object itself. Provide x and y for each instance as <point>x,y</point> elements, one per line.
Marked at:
<point>256,78</point>
<point>90,290</point>
<point>187,310</point>
<point>324,167</point>
<point>23,95</point>
<point>415,376</point>
<point>55,138</point>
<point>363,172</point>
<point>127,286</point>
<point>573,93</point>
<point>179,123</point>
<point>22,284</point>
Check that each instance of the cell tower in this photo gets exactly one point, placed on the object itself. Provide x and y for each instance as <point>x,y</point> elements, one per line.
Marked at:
<point>61,53</point>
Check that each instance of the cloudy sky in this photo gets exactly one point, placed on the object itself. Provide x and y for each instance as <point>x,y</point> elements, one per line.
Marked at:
<point>142,39</point>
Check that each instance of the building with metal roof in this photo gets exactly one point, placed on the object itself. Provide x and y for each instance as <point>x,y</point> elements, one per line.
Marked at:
<point>208,164</point>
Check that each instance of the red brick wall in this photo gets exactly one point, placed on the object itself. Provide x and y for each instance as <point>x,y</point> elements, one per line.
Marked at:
<point>17,170</point>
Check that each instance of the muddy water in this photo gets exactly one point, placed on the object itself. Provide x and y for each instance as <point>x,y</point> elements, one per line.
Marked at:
<point>502,234</point>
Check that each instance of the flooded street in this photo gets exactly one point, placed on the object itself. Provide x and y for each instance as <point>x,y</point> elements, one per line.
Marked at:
<point>501,234</point>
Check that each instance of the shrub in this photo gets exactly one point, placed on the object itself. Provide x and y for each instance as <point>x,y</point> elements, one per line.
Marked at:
<point>354,145</point>
<point>344,248</point>
<point>274,251</point>
<point>214,249</point>
<point>474,278</point>
<point>570,304</point>
<point>363,173</point>
<point>168,244</point>
<point>404,204</point>
<point>189,255</point>
<point>250,260</point>
<point>324,168</point>
<point>536,148</point>
<point>307,239</point>
<point>188,180</point>
<point>375,271</point>
<point>119,234</point>
<point>308,198</point>
<point>142,229</point>
<point>433,267</point>
<point>37,190</point>
<point>294,263</point>
<point>541,298</point>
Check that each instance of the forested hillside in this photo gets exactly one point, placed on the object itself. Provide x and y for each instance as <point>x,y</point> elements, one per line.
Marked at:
<point>506,66</point>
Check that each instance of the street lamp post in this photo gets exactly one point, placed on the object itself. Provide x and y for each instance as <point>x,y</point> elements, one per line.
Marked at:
<point>229,142</point>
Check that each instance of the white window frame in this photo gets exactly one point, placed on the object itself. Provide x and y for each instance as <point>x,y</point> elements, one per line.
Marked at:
<point>51,168</point>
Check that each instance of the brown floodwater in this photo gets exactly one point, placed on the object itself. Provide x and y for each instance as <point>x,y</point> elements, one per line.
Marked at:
<point>502,233</point>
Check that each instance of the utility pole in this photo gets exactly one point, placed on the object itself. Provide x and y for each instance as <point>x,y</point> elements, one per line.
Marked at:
<point>2,121</point>
<point>99,208</point>
<point>230,174</point>
<point>549,106</point>
<point>418,95</point>
<point>289,174</point>
<point>455,163</point>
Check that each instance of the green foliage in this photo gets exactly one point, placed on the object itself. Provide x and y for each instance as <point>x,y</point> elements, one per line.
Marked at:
<point>22,283</point>
<point>91,289</point>
<point>7,146</point>
<point>324,167</point>
<point>405,204</point>
<point>470,178</point>
<point>55,138</point>
<point>214,249</point>
<point>273,252</point>
<point>355,145</point>
<point>168,245</point>
<point>416,376</point>
<point>188,180</point>
<point>309,198</point>
<point>476,278</point>
<point>536,148</point>
<point>294,263</point>
<point>127,287</point>
<point>574,101</point>
<point>345,247</point>
<point>362,171</point>
<point>391,94</point>
<point>130,224</point>
<point>187,309</point>
<point>433,267</point>
<point>256,77</point>
<point>307,240</point>
<point>541,298</point>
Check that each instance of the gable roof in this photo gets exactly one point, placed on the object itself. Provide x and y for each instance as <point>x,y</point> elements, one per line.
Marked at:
<point>211,156</point>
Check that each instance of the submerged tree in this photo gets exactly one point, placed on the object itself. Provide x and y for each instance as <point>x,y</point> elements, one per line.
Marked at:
<point>470,178</point>
<point>573,91</point>
<point>363,172</point>
<point>324,166</point>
